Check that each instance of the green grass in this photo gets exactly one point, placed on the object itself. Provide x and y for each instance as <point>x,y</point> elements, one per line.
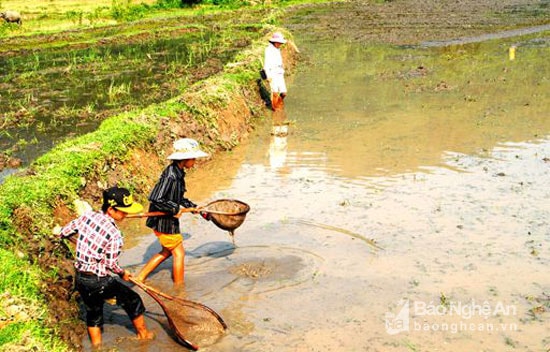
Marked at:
<point>22,308</point>
<point>59,172</point>
<point>60,15</point>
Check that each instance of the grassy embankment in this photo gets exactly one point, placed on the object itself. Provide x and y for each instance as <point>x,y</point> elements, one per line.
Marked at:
<point>30,203</point>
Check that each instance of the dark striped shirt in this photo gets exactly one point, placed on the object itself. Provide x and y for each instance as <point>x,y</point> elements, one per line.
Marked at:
<point>167,196</point>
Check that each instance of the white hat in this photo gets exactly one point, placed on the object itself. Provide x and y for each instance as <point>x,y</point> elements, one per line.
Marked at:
<point>277,37</point>
<point>186,148</point>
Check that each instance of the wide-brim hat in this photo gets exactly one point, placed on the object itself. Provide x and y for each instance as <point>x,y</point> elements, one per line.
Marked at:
<point>186,148</point>
<point>277,37</point>
<point>121,199</point>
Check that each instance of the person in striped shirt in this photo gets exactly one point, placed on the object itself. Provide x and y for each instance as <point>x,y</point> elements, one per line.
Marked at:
<point>168,196</point>
<point>98,246</point>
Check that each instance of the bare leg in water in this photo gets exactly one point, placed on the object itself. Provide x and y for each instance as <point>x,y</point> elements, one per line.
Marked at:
<point>177,268</point>
<point>139,324</point>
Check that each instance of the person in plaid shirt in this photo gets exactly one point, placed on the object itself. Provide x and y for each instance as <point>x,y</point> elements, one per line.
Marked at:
<point>98,247</point>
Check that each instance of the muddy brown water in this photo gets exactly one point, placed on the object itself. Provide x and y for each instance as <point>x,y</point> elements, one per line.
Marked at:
<point>405,209</point>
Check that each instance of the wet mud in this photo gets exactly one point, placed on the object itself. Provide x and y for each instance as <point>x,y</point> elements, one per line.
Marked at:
<point>398,204</point>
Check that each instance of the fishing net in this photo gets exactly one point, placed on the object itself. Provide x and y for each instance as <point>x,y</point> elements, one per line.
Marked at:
<point>227,214</point>
<point>192,323</point>
<point>195,324</point>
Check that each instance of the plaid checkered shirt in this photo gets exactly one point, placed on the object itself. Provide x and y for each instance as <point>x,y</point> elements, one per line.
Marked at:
<point>99,243</point>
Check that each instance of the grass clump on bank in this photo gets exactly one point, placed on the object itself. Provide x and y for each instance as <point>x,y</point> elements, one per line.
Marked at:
<point>22,313</point>
<point>58,173</point>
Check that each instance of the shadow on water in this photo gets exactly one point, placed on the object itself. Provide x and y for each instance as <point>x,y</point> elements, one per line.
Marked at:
<point>215,249</point>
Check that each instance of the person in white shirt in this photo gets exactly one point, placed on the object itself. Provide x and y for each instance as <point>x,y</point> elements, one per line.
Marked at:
<point>275,71</point>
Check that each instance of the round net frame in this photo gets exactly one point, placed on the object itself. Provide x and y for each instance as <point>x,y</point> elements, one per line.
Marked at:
<point>227,214</point>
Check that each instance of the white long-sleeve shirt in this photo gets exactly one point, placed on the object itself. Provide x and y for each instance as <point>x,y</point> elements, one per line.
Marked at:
<point>273,61</point>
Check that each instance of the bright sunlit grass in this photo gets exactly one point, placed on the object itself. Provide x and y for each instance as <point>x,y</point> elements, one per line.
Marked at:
<point>60,15</point>
<point>33,8</point>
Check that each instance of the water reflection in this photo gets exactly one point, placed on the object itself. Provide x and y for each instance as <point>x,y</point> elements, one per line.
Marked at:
<point>399,110</point>
<point>490,36</point>
<point>278,144</point>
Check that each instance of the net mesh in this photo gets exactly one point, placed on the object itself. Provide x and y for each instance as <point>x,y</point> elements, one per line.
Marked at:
<point>235,213</point>
<point>192,322</point>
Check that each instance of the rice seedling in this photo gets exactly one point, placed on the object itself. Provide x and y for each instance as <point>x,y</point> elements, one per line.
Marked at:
<point>64,113</point>
<point>115,91</point>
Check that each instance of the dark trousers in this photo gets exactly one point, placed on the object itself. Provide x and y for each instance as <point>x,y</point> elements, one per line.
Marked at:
<point>94,290</point>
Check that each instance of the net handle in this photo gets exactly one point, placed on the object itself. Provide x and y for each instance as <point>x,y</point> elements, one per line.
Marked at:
<point>204,208</point>
<point>148,289</point>
<point>161,213</point>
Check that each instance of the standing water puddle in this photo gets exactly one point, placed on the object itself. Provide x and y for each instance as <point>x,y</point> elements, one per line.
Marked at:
<point>440,156</point>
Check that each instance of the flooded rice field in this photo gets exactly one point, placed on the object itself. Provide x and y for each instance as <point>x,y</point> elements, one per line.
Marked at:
<point>65,90</point>
<point>403,206</point>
